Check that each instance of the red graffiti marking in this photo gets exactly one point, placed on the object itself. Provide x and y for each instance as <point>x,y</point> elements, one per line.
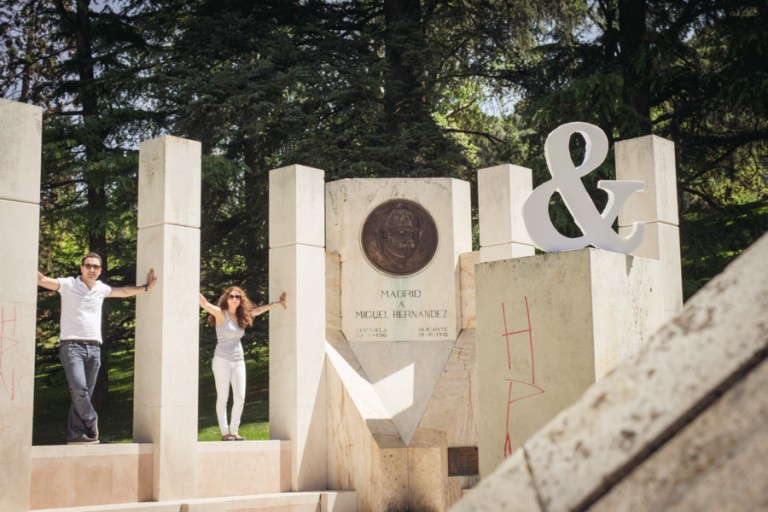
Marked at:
<point>7,342</point>
<point>518,390</point>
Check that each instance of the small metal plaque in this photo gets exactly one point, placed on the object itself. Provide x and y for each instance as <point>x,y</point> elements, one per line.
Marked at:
<point>463,461</point>
<point>399,237</point>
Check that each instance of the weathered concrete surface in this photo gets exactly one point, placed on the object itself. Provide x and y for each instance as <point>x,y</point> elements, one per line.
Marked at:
<point>641,419</point>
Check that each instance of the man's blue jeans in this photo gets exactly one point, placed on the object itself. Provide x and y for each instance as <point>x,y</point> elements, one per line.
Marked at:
<point>81,365</point>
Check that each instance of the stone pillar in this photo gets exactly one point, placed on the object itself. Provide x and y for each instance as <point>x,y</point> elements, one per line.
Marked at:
<point>297,396</point>
<point>20,148</point>
<point>548,327</point>
<point>651,159</point>
<point>166,374</point>
<point>501,192</point>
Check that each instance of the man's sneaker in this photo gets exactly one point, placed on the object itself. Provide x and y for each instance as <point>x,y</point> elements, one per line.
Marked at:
<point>93,431</point>
<point>83,439</point>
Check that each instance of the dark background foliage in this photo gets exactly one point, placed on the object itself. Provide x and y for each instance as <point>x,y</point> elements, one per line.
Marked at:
<point>366,88</point>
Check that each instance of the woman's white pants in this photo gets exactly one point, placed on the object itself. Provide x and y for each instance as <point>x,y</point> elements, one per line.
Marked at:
<point>229,374</point>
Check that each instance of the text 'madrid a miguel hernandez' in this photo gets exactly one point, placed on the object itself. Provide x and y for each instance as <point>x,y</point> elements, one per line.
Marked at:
<point>400,312</point>
<point>383,314</point>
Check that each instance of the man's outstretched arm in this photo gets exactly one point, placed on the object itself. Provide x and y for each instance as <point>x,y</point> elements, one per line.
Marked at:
<point>47,282</point>
<point>130,291</point>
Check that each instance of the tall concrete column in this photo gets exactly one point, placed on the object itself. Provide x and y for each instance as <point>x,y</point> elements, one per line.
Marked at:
<point>166,374</point>
<point>651,159</point>
<point>501,192</point>
<point>297,335</point>
<point>20,146</point>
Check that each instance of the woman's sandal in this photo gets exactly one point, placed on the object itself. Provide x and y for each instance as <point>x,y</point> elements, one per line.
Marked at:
<point>236,437</point>
<point>228,437</point>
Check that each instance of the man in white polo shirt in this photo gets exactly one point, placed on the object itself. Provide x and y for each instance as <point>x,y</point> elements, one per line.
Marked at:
<point>80,339</point>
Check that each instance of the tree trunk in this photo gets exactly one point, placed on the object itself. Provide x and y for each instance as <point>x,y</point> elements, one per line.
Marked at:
<point>87,95</point>
<point>635,63</point>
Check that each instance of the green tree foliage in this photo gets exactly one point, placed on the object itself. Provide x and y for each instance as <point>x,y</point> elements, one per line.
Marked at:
<point>691,72</point>
<point>364,88</point>
<point>78,60</point>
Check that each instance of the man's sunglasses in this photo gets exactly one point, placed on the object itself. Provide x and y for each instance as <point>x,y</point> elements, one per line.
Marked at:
<point>91,266</point>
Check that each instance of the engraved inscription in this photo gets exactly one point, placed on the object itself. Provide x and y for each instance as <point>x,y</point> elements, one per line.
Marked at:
<point>399,237</point>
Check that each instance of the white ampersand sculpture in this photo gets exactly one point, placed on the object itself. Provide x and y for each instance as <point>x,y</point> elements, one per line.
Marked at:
<point>596,227</point>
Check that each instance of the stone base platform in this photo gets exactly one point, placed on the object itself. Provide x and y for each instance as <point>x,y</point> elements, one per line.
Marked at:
<point>248,475</point>
<point>320,501</point>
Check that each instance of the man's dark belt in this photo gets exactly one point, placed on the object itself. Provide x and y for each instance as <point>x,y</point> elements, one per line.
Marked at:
<point>82,342</point>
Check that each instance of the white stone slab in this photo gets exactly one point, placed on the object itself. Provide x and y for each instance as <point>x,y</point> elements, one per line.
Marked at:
<point>547,327</point>
<point>511,488</point>
<point>378,306</point>
<point>720,330</point>
<point>405,378</point>
<point>456,385</point>
<point>296,203</point>
<point>17,361</point>
<point>169,182</point>
<point>718,462</point>
<point>501,192</point>
<point>16,436</point>
<point>650,159</point>
<point>21,128</point>
<point>297,334</point>
<point>662,242</point>
<point>20,143</point>
<point>167,317</point>
<point>467,262</point>
<point>19,235</point>
<point>687,358</point>
<point>505,251</point>
<point>365,451</point>
<point>332,293</point>
<point>352,374</point>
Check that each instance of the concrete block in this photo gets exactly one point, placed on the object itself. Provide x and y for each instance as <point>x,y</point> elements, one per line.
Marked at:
<point>248,467</point>
<point>505,251</point>
<point>17,361</point>
<point>19,235</point>
<point>296,206</point>
<point>338,501</point>
<point>501,192</point>
<point>428,471</point>
<point>21,132</point>
<point>467,262</point>
<point>717,462</point>
<point>379,305</point>
<point>297,345</point>
<point>456,385</point>
<point>631,413</point>
<point>166,367</point>
<point>650,159</point>
<point>405,378</point>
<point>85,476</point>
<point>511,488</point>
<point>547,327</point>
<point>169,182</point>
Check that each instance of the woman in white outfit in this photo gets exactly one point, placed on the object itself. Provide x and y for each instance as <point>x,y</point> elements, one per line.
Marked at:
<point>232,315</point>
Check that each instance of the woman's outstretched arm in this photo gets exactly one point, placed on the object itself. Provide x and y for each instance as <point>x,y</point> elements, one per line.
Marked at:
<point>258,310</point>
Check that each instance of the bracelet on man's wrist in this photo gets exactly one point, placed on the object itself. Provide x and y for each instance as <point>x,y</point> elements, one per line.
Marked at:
<point>146,287</point>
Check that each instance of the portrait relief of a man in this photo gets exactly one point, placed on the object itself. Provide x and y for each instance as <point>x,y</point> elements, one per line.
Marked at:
<point>399,237</point>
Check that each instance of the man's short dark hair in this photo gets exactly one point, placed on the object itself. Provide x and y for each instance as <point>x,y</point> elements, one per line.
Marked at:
<point>91,255</point>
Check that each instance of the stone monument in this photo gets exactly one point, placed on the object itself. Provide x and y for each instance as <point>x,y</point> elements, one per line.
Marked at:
<point>549,326</point>
<point>20,145</point>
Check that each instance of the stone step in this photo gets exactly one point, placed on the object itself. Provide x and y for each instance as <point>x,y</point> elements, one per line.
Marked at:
<point>313,501</point>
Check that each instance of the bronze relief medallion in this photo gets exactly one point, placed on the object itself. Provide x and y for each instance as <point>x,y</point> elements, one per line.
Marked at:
<point>399,237</point>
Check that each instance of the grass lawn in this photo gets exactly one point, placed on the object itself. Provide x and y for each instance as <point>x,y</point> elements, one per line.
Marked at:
<point>52,401</point>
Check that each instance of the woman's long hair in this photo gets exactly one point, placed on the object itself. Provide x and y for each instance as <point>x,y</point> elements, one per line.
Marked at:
<point>244,319</point>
